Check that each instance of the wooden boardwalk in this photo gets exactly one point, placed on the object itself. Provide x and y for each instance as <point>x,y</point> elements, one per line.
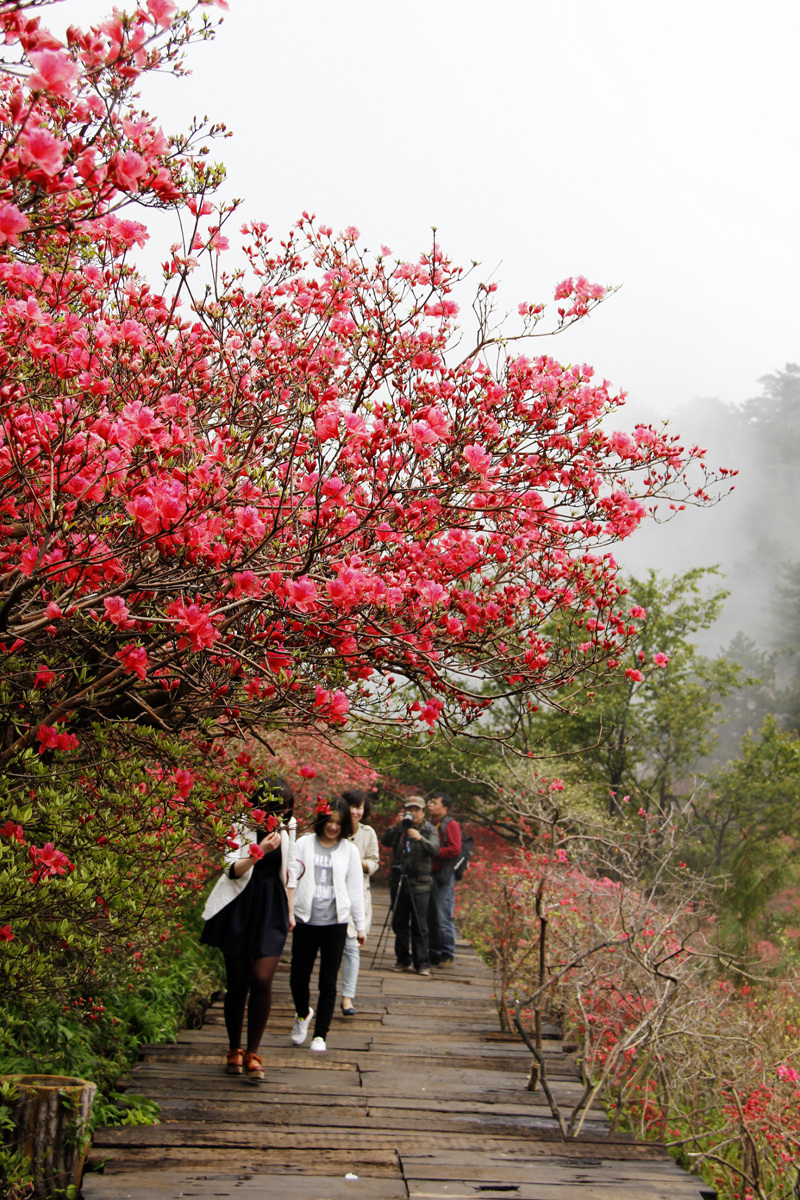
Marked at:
<point>417,1096</point>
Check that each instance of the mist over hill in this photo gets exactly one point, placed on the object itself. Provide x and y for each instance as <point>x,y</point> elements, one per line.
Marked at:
<point>753,533</point>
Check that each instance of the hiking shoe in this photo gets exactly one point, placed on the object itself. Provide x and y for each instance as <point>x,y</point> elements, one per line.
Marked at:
<point>447,961</point>
<point>254,1067</point>
<point>398,966</point>
<point>300,1028</point>
<point>423,970</point>
<point>318,1044</point>
<point>234,1061</point>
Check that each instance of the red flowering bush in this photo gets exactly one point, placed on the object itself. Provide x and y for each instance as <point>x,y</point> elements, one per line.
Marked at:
<point>600,925</point>
<point>99,851</point>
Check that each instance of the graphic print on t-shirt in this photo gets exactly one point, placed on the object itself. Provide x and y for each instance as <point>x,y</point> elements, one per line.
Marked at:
<point>323,906</point>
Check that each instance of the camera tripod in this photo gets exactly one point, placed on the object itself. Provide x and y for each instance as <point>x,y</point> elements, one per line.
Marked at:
<point>402,881</point>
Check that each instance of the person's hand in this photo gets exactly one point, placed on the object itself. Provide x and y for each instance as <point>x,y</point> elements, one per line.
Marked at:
<point>365,866</point>
<point>271,841</point>
<point>400,816</point>
<point>415,834</point>
<point>361,938</point>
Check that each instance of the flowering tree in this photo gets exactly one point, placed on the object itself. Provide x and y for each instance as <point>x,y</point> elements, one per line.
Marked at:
<point>271,506</point>
<point>259,499</point>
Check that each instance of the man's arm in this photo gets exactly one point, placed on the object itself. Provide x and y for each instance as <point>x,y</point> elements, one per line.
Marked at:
<point>451,845</point>
<point>429,840</point>
<point>391,835</point>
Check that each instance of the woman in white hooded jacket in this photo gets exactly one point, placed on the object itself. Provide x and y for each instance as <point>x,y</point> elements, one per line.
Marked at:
<point>330,891</point>
<point>248,917</point>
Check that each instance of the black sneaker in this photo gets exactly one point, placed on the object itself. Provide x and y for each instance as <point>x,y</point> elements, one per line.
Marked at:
<point>398,966</point>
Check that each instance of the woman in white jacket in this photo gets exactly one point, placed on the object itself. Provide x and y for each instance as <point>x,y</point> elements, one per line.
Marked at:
<point>248,916</point>
<point>330,891</point>
<point>365,840</point>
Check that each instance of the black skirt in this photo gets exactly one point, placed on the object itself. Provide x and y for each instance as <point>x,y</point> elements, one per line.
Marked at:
<point>256,923</point>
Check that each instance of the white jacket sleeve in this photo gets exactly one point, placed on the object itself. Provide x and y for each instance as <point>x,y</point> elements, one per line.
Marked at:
<point>355,886</point>
<point>372,857</point>
<point>244,836</point>
<point>290,880</point>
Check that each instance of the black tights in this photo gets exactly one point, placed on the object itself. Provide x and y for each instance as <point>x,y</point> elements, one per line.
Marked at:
<point>253,975</point>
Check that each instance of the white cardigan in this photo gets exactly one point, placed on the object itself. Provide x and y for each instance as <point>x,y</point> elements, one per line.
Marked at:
<point>365,840</point>
<point>227,889</point>
<point>348,885</point>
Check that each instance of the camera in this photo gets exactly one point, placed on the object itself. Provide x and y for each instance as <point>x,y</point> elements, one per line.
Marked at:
<point>408,820</point>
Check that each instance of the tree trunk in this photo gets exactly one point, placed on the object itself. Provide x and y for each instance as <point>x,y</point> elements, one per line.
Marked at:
<point>51,1118</point>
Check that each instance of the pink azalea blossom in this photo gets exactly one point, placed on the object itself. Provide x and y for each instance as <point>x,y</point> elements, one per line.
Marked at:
<point>51,738</point>
<point>44,677</point>
<point>134,659</point>
<point>12,223</point>
<point>117,611</point>
<point>184,781</point>
<point>40,149</point>
<point>194,620</point>
<point>162,12</point>
<point>477,458</point>
<point>54,71</point>
<point>48,862</point>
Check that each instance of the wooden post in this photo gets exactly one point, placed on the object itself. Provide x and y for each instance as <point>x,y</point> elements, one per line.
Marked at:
<point>51,1117</point>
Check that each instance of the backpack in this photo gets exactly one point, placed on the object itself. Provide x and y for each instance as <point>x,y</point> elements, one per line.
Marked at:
<point>467,851</point>
<point>460,864</point>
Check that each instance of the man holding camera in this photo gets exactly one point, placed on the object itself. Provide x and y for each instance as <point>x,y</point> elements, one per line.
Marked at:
<point>415,844</point>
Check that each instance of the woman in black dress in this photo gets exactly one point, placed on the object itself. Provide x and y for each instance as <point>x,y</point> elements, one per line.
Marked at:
<point>248,916</point>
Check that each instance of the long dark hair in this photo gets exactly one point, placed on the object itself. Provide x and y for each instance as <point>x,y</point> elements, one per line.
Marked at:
<point>336,804</point>
<point>355,797</point>
<point>275,796</point>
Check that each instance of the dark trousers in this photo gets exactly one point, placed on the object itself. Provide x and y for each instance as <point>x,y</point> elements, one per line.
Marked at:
<point>306,941</point>
<point>410,914</point>
<point>441,927</point>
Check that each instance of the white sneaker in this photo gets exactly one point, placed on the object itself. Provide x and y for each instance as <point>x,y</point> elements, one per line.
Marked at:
<point>318,1044</point>
<point>300,1028</point>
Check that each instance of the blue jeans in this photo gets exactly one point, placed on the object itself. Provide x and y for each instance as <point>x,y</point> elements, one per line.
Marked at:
<point>350,964</point>
<point>440,919</point>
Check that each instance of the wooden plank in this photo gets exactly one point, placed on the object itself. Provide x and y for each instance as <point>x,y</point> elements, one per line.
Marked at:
<point>213,1185</point>
<point>422,1189</point>
<point>297,1161</point>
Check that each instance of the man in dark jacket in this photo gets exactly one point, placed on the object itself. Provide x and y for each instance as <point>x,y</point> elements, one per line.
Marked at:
<point>441,926</point>
<point>415,844</point>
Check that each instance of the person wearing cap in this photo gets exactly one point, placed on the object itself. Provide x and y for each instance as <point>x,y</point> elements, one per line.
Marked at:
<point>414,843</point>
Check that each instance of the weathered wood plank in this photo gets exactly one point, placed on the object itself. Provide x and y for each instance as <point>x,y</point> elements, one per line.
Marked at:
<point>302,1160</point>
<point>214,1185</point>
